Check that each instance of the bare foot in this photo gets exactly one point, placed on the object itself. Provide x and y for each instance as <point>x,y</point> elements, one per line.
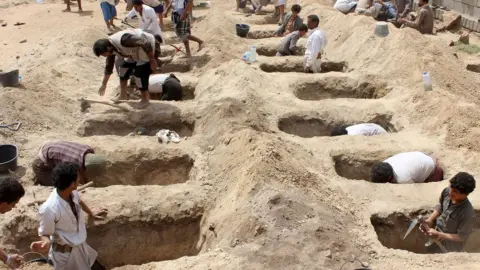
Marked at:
<point>80,10</point>
<point>67,10</point>
<point>119,99</point>
<point>201,46</point>
<point>143,103</point>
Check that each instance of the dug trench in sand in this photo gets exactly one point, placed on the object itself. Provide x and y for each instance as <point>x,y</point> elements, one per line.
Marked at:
<point>256,181</point>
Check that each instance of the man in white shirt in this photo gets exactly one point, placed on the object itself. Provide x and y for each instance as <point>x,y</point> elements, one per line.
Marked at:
<point>62,224</point>
<point>407,168</point>
<point>158,7</point>
<point>11,191</point>
<point>317,41</point>
<point>165,87</point>
<point>181,20</point>
<point>148,19</point>
<point>345,6</point>
<point>365,129</point>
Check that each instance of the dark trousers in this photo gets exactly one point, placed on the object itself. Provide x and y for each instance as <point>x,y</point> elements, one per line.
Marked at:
<point>97,266</point>
<point>142,74</point>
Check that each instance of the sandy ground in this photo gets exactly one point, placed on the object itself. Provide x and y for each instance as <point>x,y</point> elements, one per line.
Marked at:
<point>256,183</point>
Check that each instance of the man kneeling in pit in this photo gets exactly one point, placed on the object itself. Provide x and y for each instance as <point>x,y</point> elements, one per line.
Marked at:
<point>453,219</point>
<point>62,228</point>
<point>365,129</point>
<point>407,168</point>
<point>288,46</point>
<point>165,87</point>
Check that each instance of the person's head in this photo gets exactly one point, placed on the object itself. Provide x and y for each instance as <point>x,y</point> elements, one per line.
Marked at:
<point>296,9</point>
<point>137,5</point>
<point>102,47</point>
<point>461,185</point>
<point>381,172</point>
<point>302,30</point>
<point>339,131</point>
<point>313,21</point>
<point>95,165</point>
<point>11,191</point>
<point>65,177</point>
<point>422,2</point>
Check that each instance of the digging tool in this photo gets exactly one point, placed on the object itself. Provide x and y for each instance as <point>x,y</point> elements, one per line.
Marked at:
<point>423,224</point>
<point>85,104</point>
<point>14,126</point>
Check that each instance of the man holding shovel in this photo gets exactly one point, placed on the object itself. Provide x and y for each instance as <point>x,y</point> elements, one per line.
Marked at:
<point>130,51</point>
<point>453,219</point>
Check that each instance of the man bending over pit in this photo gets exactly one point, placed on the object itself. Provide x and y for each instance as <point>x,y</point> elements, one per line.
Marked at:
<point>289,43</point>
<point>407,168</point>
<point>53,153</point>
<point>11,191</point>
<point>453,219</point>
<point>365,129</point>
<point>62,229</point>
<point>136,54</point>
<point>165,87</point>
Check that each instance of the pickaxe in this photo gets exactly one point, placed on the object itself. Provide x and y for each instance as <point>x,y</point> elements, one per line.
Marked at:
<point>423,224</point>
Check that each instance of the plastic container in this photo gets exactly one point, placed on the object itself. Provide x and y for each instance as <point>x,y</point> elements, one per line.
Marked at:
<point>8,158</point>
<point>427,82</point>
<point>253,54</point>
<point>242,30</point>
<point>246,56</point>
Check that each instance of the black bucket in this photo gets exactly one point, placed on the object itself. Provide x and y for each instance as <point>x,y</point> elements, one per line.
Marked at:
<point>8,158</point>
<point>242,30</point>
<point>9,79</point>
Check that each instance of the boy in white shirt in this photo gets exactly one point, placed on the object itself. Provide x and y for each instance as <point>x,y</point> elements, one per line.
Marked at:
<point>407,168</point>
<point>62,230</point>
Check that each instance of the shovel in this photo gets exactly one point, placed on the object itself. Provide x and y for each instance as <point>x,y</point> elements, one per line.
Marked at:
<point>14,126</point>
<point>421,221</point>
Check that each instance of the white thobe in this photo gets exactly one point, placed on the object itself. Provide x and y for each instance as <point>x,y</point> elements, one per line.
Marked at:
<point>317,41</point>
<point>148,20</point>
<point>344,6</point>
<point>58,221</point>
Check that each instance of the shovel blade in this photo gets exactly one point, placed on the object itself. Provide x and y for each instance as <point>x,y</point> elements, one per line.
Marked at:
<point>410,228</point>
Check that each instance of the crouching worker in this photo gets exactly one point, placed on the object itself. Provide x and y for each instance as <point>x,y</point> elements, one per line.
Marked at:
<point>407,168</point>
<point>289,43</point>
<point>53,153</point>
<point>453,219</point>
<point>134,44</point>
<point>62,230</point>
<point>365,129</point>
<point>165,87</point>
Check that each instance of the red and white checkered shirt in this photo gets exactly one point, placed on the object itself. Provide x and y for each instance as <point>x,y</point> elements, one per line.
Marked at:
<point>53,153</point>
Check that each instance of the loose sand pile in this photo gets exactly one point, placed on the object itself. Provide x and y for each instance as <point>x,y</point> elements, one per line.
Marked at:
<point>257,183</point>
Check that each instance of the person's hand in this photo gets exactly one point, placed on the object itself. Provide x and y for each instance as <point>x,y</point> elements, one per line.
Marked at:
<point>42,246</point>
<point>99,213</point>
<point>153,64</point>
<point>14,261</point>
<point>431,232</point>
<point>184,16</point>
<point>402,20</point>
<point>101,90</point>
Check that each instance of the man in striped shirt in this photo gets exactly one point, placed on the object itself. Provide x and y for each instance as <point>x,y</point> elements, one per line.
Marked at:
<point>53,153</point>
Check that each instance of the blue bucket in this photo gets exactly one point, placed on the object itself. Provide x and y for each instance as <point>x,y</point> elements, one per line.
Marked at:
<point>242,30</point>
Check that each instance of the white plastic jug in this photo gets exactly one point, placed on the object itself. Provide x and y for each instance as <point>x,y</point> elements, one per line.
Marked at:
<point>427,82</point>
<point>253,54</point>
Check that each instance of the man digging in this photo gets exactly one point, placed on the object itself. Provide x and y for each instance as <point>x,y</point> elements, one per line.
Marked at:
<point>53,153</point>
<point>136,54</point>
